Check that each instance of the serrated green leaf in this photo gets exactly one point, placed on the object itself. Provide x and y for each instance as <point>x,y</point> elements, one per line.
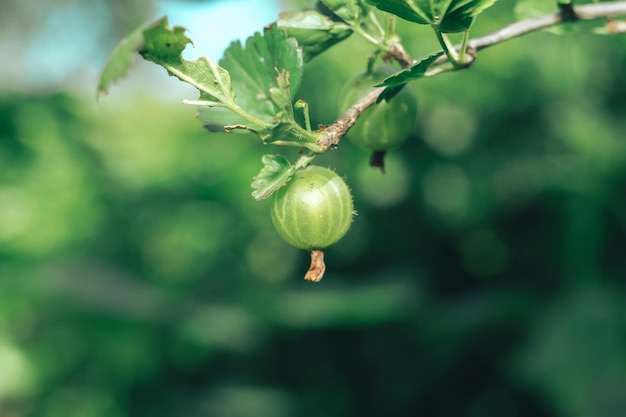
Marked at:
<point>263,78</point>
<point>448,16</point>
<point>314,31</point>
<point>351,11</point>
<point>275,173</point>
<point>120,61</point>
<point>255,67</point>
<point>417,71</point>
<point>262,81</point>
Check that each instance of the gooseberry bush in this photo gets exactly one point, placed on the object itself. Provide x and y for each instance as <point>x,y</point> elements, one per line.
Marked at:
<point>254,88</point>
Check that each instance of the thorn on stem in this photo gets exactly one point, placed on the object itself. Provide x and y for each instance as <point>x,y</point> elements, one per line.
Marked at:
<point>318,267</point>
<point>616,26</point>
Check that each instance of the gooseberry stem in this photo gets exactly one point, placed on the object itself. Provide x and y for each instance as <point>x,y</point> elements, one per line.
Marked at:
<point>377,160</point>
<point>318,267</point>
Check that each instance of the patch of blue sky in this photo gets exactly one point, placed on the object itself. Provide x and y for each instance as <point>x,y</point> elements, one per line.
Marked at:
<point>65,42</point>
<point>69,41</point>
<point>214,25</point>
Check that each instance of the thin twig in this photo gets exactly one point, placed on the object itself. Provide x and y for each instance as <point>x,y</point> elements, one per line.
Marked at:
<point>523,27</point>
<point>335,131</point>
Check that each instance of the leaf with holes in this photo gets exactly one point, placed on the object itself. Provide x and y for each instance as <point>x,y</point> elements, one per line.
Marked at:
<point>164,46</point>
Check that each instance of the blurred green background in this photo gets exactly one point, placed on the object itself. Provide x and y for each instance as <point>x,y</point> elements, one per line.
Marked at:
<point>484,275</point>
